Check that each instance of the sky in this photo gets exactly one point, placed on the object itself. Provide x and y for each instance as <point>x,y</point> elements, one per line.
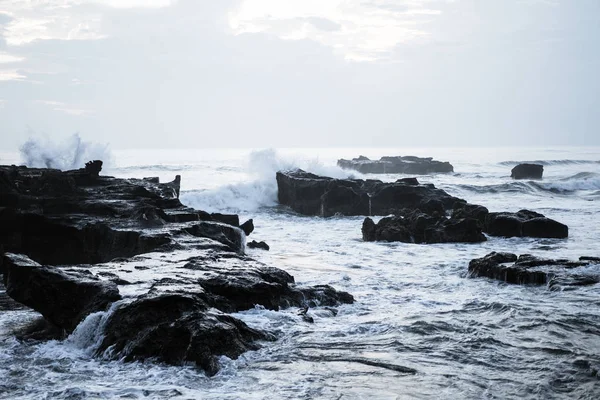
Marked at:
<point>308,73</point>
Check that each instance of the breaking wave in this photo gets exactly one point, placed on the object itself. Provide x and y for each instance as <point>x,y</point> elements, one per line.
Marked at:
<point>572,184</point>
<point>260,190</point>
<point>71,153</point>
<point>551,162</point>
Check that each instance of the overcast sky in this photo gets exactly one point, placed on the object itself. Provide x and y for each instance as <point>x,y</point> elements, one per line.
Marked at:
<point>310,73</point>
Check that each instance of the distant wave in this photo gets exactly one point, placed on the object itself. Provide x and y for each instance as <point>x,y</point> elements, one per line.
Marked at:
<point>261,190</point>
<point>551,162</point>
<point>70,154</point>
<point>577,182</point>
<point>157,167</point>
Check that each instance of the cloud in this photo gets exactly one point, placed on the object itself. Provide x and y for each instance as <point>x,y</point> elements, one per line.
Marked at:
<point>65,108</point>
<point>2,103</point>
<point>357,30</point>
<point>25,21</point>
<point>6,58</point>
<point>11,75</point>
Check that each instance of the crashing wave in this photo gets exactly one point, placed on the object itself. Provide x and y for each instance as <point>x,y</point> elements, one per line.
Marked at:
<point>261,190</point>
<point>72,153</point>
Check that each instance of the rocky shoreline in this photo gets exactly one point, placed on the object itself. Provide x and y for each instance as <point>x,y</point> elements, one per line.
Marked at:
<point>76,243</point>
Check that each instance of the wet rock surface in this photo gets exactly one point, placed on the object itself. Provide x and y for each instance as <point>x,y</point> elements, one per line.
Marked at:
<point>527,171</point>
<point>64,299</point>
<point>165,276</point>
<point>397,165</point>
<point>524,223</point>
<point>529,269</point>
<point>311,194</point>
<point>418,227</point>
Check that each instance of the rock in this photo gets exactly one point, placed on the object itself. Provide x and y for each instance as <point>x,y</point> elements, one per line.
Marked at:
<point>311,194</point>
<point>524,223</point>
<point>396,165</point>
<point>193,271</point>
<point>176,328</point>
<point>258,245</point>
<point>528,269</point>
<point>93,168</point>
<point>248,227</point>
<point>63,299</point>
<point>417,227</point>
<point>527,171</point>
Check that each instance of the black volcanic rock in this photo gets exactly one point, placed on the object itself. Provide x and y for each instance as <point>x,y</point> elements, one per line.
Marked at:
<point>528,269</point>
<point>248,227</point>
<point>176,328</point>
<point>524,223</point>
<point>527,171</point>
<point>258,245</point>
<point>64,299</point>
<point>311,194</point>
<point>396,165</point>
<point>90,232</point>
<point>417,227</point>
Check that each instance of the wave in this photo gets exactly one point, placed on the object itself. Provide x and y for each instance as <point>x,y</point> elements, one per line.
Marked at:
<point>261,189</point>
<point>550,162</point>
<point>572,184</point>
<point>70,154</point>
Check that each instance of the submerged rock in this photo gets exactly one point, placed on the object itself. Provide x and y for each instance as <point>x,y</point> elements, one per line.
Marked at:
<point>396,165</point>
<point>527,171</point>
<point>312,194</point>
<point>417,227</point>
<point>528,269</point>
<point>258,245</point>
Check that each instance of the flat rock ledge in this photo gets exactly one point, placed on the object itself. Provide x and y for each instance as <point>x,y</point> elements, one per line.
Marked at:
<point>529,269</point>
<point>397,165</point>
<point>164,277</point>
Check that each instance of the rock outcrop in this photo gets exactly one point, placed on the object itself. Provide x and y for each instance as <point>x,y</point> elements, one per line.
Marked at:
<point>527,171</point>
<point>64,299</point>
<point>528,269</point>
<point>311,194</point>
<point>418,227</point>
<point>397,165</point>
<point>524,223</point>
<point>72,239</point>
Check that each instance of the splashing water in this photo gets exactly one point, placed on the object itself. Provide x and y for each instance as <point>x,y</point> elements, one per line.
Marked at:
<point>70,154</point>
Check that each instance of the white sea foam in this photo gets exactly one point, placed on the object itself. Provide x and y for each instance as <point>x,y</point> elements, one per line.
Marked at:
<point>71,153</point>
<point>260,189</point>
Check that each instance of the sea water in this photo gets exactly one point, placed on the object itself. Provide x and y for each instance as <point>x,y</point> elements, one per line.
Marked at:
<point>415,305</point>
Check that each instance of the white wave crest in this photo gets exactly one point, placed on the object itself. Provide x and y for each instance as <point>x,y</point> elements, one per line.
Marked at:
<point>580,181</point>
<point>260,190</point>
<point>70,154</point>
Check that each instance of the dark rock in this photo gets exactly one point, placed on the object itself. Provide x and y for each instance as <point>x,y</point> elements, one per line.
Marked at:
<point>474,211</point>
<point>311,194</point>
<point>417,227</point>
<point>72,220</point>
<point>527,171</point>
<point>176,328</point>
<point>524,223</point>
<point>258,245</point>
<point>93,168</point>
<point>396,165</point>
<point>248,227</point>
<point>63,299</point>
<point>528,269</point>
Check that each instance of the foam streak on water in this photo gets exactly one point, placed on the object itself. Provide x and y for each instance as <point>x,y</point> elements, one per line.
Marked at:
<point>416,308</point>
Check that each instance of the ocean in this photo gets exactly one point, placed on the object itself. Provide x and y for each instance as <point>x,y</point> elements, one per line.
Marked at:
<point>416,307</point>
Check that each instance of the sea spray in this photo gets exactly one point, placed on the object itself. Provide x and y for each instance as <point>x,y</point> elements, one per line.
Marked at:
<point>72,153</point>
<point>260,188</point>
